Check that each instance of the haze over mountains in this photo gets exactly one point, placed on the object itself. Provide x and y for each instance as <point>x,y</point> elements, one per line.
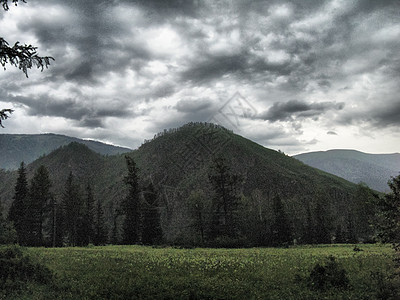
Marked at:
<point>178,163</point>
<point>372,169</point>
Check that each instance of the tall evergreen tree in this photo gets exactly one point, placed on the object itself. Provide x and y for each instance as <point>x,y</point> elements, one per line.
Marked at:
<point>151,229</point>
<point>322,221</point>
<point>39,199</point>
<point>131,205</point>
<point>86,219</point>
<point>71,205</point>
<point>226,186</point>
<point>281,229</point>
<point>388,221</point>
<point>197,203</point>
<point>18,213</point>
<point>99,234</point>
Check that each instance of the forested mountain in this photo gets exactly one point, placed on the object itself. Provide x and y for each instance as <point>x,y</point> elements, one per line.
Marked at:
<point>15,148</point>
<point>373,169</point>
<point>187,167</point>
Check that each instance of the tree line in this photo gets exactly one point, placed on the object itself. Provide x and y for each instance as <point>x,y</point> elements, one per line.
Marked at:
<point>40,220</point>
<point>222,217</point>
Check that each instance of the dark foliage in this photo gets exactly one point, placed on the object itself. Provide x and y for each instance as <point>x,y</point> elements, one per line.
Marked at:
<point>18,210</point>
<point>389,213</point>
<point>227,189</point>
<point>17,270</point>
<point>99,232</point>
<point>37,208</point>
<point>151,227</point>
<point>330,275</point>
<point>8,235</point>
<point>131,205</point>
<point>71,206</point>
<point>281,229</point>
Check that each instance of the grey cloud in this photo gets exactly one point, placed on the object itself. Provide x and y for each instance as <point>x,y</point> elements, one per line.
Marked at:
<point>384,115</point>
<point>296,109</point>
<point>91,123</point>
<point>192,106</point>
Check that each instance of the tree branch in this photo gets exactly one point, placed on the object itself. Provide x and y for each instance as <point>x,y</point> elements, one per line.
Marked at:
<point>4,114</point>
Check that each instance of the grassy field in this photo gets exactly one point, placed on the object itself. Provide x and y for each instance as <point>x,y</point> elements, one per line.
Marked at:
<point>137,272</point>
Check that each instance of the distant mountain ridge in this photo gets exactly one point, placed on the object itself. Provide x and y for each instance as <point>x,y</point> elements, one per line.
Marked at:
<point>373,169</point>
<point>15,148</point>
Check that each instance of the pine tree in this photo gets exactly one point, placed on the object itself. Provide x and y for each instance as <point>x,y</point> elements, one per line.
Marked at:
<point>38,204</point>
<point>99,235</point>
<point>71,205</point>
<point>131,205</point>
<point>17,213</point>
<point>281,229</point>
<point>151,229</point>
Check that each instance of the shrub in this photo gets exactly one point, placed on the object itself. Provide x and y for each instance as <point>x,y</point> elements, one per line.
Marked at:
<point>327,276</point>
<point>17,270</point>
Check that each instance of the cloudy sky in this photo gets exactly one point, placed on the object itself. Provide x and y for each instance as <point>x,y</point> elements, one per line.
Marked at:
<point>297,76</point>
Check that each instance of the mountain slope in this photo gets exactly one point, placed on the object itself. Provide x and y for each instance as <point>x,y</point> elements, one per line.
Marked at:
<point>15,148</point>
<point>178,162</point>
<point>373,169</point>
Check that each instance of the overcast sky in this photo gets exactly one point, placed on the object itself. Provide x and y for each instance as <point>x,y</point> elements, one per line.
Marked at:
<point>297,76</point>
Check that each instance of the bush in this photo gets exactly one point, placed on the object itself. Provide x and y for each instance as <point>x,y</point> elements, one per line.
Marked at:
<point>17,270</point>
<point>323,277</point>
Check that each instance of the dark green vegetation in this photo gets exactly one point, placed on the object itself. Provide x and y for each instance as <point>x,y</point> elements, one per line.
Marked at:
<point>211,187</point>
<point>137,272</point>
<point>18,273</point>
<point>15,148</point>
<point>372,169</point>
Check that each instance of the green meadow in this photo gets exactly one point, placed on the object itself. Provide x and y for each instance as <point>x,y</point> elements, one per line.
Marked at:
<point>139,272</point>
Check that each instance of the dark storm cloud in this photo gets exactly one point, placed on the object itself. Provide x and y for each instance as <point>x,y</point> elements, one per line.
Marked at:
<point>73,109</point>
<point>170,7</point>
<point>296,109</point>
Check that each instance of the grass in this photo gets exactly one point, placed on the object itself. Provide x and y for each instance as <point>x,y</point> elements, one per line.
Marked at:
<point>138,272</point>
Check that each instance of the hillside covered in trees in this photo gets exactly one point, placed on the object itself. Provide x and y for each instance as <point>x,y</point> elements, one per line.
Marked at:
<point>15,148</point>
<point>200,184</point>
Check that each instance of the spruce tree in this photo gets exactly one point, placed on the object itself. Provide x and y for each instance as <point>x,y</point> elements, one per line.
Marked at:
<point>131,205</point>
<point>71,205</point>
<point>281,229</point>
<point>151,229</point>
<point>322,221</point>
<point>99,234</point>
<point>18,210</point>
<point>85,222</point>
<point>38,204</point>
